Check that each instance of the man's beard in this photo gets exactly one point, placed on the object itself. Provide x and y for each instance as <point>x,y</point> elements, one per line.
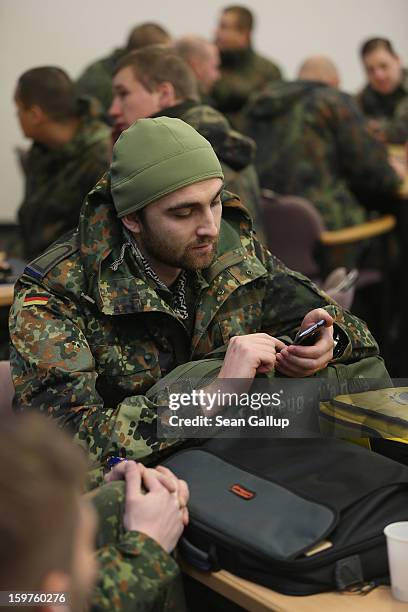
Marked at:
<point>165,252</point>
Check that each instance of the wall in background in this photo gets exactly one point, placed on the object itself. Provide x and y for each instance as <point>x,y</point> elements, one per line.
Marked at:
<point>72,34</point>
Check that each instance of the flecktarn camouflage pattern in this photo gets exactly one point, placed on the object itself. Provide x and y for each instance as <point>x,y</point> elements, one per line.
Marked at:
<point>312,141</point>
<point>136,574</point>
<point>89,341</point>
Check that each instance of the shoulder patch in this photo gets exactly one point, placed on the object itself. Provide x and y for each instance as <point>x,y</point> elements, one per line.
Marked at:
<point>36,300</point>
<point>39,267</point>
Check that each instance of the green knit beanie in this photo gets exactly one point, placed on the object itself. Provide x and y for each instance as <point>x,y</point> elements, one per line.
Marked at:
<point>155,157</point>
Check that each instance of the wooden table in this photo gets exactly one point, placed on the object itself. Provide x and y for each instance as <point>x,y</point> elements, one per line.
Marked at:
<point>256,598</point>
<point>6,294</point>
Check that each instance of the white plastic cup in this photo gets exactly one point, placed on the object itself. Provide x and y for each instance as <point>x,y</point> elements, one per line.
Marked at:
<point>397,547</point>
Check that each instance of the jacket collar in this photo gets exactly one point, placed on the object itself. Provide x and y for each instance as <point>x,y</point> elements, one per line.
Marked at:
<point>176,110</point>
<point>236,58</point>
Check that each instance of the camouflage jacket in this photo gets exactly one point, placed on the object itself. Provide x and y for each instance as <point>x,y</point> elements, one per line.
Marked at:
<point>89,341</point>
<point>243,73</point>
<point>135,573</point>
<point>96,80</point>
<point>235,151</point>
<point>391,110</point>
<point>57,181</point>
<point>312,141</point>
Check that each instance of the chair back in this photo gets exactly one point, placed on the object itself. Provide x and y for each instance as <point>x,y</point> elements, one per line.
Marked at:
<point>292,227</point>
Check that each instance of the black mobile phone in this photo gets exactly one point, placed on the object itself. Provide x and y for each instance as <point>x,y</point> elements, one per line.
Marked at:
<point>307,337</point>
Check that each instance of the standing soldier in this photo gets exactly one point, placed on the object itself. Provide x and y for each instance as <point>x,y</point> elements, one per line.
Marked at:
<point>243,72</point>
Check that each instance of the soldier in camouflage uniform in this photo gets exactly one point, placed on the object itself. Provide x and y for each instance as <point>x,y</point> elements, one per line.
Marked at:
<point>70,152</point>
<point>243,72</point>
<point>96,80</point>
<point>384,100</point>
<point>52,547</point>
<point>153,279</point>
<point>156,82</point>
<point>312,141</point>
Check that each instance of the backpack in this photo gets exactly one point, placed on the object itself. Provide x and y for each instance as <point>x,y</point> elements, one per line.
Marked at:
<point>300,516</point>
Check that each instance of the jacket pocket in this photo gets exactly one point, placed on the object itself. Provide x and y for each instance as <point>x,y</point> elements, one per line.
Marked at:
<point>123,372</point>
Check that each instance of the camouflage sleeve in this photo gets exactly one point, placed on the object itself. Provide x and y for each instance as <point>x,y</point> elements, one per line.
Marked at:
<point>291,295</point>
<point>137,575</point>
<point>54,372</point>
<point>363,158</point>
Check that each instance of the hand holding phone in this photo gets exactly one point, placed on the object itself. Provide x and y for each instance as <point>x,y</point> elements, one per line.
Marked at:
<point>307,337</point>
<point>298,359</point>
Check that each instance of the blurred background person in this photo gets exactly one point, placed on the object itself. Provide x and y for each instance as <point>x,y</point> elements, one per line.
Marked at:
<point>96,80</point>
<point>204,60</point>
<point>49,530</point>
<point>243,71</point>
<point>384,100</point>
<point>70,151</point>
<point>313,141</point>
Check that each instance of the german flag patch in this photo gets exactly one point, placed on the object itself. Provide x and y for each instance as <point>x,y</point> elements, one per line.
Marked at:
<point>36,300</point>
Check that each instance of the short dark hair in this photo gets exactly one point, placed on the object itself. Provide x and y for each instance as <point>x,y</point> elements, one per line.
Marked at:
<point>147,34</point>
<point>41,477</point>
<point>51,89</point>
<point>156,64</point>
<point>377,43</point>
<point>245,18</point>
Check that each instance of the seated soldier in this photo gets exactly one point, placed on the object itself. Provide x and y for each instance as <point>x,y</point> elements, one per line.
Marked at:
<point>70,152</point>
<point>203,58</point>
<point>96,80</point>
<point>243,72</point>
<point>154,82</point>
<point>48,529</point>
<point>163,270</point>
<point>312,141</point>
<point>384,100</point>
